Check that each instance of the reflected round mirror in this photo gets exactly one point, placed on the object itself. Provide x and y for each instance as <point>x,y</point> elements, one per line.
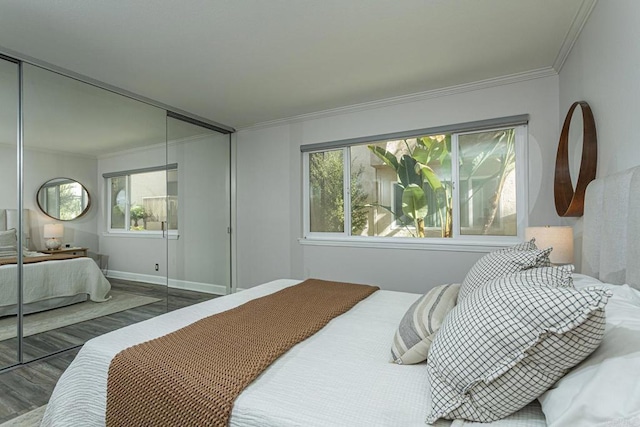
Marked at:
<point>64,199</point>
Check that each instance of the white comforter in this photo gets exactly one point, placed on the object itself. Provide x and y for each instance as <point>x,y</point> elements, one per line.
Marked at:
<point>53,279</point>
<point>340,376</point>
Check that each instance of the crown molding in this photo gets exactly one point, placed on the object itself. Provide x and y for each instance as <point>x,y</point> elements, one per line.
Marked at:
<point>414,97</point>
<point>159,145</point>
<point>578,23</point>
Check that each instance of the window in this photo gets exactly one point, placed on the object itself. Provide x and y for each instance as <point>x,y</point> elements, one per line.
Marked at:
<point>143,201</point>
<point>462,185</point>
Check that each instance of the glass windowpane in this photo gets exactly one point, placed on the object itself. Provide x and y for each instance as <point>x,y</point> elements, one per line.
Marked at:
<point>488,183</point>
<point>326,191</point>
<point>402,188</point>
<point>118,201</point>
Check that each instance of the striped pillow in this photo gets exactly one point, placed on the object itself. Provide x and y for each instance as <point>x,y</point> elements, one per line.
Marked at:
<point>420,323</point>
<point>8,251</point>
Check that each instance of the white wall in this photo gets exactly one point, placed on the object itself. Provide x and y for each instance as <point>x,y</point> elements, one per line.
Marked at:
<point>39,167</point>
<point>269,205</point>
<point>603,69</point>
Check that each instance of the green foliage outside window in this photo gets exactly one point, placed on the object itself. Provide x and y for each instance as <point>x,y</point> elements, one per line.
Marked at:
<point>326,178</point>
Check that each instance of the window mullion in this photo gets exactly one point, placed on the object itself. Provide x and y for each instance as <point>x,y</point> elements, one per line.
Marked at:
<point>127,204</point>
<point>455,184</point>
<point>306,194</point>
<point>109,203</point>
<point>522,180</point>
<point>346,156</point>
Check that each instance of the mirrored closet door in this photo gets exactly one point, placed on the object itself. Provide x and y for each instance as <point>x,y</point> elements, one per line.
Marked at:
<point>9,244</point>
<point>108,204</point>
<point>198,207</point>
<point>89,156</point>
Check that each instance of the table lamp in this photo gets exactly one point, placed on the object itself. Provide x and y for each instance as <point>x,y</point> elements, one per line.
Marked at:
<point>560,238</point>
<point>52,234</point>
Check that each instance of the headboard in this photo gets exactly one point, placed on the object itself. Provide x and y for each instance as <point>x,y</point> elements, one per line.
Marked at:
<point>9,220</point>
<point>611,229</point>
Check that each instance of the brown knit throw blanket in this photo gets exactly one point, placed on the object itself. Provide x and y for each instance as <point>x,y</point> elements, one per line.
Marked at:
<point>192,376</point>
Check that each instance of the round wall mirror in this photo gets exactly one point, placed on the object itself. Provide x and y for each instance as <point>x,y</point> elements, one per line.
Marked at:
<point>64,199</point>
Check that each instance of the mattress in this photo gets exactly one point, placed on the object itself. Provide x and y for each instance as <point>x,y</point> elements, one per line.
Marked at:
<point>61,280</point>
<point>340,376</point>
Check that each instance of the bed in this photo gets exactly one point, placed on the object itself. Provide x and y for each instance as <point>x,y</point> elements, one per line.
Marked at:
<point>50,281</point>
<point>342,376</point>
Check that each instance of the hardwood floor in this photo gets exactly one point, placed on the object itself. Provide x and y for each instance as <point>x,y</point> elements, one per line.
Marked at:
<point>27,387</point>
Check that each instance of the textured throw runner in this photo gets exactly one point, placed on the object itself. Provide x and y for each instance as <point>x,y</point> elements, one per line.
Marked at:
<point>192,376</point>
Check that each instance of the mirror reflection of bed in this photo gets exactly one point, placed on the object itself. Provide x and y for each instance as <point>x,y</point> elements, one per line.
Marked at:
<point>66,297</point>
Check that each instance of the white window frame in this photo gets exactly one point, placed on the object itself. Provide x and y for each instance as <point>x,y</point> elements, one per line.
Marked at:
<point>119,232</point>
<point>458,241</point>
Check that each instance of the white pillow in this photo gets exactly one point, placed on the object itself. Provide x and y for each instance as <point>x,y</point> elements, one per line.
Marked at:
<point>605,387</point>
<point>9,238</point>
<point>420,323</point>
<point>509,341</point>
<point>502,262</point>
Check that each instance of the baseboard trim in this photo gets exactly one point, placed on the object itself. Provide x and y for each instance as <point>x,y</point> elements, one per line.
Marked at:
<point>208,288</point>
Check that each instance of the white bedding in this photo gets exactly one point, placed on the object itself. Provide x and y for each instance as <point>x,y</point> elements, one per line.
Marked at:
<point>339,376</point>
<point>53,279</point>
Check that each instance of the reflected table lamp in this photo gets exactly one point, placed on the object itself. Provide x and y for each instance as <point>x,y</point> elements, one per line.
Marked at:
<point>560,238</point>
<point>52,234</point>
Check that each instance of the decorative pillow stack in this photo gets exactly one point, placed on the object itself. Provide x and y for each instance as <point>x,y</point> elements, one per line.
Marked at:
<point>423,319</point>
<point>421,322</point>
<point>8,243</point>
<point>502,262</point>
<point>509,340</point>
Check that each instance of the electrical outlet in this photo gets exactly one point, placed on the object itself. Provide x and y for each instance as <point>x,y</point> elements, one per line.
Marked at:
<point>157,267</point>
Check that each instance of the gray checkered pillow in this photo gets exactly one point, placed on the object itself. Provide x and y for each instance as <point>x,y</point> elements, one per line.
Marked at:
<point>421,322</point>
<point>502,262</point>
<point>509,341</point>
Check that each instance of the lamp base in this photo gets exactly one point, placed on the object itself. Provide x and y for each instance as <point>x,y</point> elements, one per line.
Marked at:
<point>53,243</point>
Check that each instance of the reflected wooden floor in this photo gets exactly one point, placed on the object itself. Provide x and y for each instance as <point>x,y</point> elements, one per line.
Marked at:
<point>27,387</point>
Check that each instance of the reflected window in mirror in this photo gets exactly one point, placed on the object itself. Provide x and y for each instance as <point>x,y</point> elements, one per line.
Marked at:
<point>143,201</point>
<point>63,199</point>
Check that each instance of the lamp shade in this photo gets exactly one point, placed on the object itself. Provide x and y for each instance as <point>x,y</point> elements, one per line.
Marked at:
<point>53,231</point>
<point>560,238</point>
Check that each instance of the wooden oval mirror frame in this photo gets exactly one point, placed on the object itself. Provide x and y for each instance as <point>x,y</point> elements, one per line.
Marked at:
<point>64,199</point>
<point>570,202</point>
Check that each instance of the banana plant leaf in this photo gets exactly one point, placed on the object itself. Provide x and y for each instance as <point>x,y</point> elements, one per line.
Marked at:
<point>422,154</point>
<point>430,176</point>
<point>388,158</point>
<point>407,173</point>
<point>414,202</point>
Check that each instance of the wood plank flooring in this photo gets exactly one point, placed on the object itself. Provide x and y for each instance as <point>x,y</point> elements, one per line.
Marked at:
<point>27,387</point>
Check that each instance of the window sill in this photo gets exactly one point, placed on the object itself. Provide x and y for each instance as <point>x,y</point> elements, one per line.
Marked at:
<point>140,235</point>
<point>483,244</point>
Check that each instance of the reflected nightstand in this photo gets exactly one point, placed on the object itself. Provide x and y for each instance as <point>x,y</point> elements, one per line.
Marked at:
<point>68,251</point>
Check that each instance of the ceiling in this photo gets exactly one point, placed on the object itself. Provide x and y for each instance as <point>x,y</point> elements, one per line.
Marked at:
<point>246,62</point>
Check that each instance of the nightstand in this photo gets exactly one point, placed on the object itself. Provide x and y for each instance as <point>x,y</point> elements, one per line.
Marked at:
<point>68,251</point>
